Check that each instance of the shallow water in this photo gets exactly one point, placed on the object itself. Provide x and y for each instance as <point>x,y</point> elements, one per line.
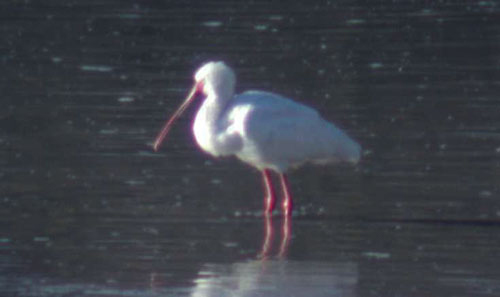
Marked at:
<point>88,209</point>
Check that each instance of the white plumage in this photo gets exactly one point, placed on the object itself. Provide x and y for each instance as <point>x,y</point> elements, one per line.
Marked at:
<point>262,129</point>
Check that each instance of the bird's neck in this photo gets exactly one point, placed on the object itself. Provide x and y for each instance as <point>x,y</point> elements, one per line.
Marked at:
<point>212,108</point>
<point>207,122</point>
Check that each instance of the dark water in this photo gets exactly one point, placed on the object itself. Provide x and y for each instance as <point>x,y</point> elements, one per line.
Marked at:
<point>87,209</point>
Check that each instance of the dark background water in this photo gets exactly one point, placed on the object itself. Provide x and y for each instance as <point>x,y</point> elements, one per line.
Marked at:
<point>88,209</point>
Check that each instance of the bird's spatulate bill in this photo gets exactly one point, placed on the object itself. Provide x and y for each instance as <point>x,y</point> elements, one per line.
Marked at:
<point>178,112</point>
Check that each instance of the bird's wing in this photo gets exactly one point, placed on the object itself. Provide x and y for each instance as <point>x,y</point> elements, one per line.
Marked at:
<point>248,108</point>
<point>277,132</point>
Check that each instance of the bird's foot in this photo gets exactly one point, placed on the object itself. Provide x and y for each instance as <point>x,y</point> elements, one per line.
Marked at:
<point>287,207</point>
<point>270,204</point>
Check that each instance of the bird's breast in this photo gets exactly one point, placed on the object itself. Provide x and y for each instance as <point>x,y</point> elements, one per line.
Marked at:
<point>204,132</point>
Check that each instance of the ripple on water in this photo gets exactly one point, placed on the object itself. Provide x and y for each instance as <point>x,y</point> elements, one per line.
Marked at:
<point>96,68</point>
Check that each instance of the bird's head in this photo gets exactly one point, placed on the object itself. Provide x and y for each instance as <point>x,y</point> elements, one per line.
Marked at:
<point>215,78</point>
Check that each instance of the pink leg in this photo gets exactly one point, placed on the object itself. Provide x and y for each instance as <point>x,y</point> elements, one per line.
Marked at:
<point>270,198</point>
<point>287,196</point>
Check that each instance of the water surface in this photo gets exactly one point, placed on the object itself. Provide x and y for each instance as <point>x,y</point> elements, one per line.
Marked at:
<point>88,209</point>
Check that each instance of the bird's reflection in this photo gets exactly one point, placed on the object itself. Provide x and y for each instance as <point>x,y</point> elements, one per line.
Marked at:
<point>272,274</point>
<point>277,278</point>
<point>268,238</point>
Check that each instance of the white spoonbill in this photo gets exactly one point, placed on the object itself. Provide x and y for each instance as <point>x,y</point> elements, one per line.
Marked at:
<point>263,129</point>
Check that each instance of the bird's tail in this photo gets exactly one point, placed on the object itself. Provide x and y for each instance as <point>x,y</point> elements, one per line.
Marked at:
<point>345,148</point>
